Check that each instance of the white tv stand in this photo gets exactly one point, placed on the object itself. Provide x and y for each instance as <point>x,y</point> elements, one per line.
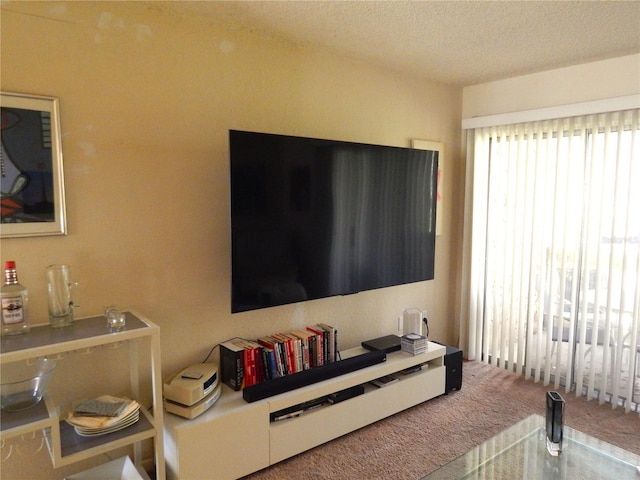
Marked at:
<point>235,438</point>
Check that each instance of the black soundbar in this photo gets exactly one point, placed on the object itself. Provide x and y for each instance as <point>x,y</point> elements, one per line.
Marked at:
<point>302,379</point>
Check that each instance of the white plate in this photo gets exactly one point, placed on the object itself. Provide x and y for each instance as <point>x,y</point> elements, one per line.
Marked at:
<point>123,421</point>
<point>90,432</point>
<point>109,423</point>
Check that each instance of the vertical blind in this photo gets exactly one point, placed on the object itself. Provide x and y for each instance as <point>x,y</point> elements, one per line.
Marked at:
<point>555,265</point>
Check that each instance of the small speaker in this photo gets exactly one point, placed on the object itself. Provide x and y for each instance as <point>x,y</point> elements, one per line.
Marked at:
<point>453,364</point>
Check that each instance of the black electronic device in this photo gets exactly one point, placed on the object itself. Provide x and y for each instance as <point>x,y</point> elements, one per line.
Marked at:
<point>314,218</point>
<point>346,394</point>
<point>314,375</point>
<point>554,422</point>
<point>388,343</point>
<point>453,365</point>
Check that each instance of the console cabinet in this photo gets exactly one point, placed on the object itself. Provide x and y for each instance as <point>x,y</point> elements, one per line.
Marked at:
<point>235,438</point>
<point>65,446</point>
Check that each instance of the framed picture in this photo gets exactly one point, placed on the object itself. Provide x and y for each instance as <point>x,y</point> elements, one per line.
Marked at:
<point>437,147</point>
<point>32,179</point>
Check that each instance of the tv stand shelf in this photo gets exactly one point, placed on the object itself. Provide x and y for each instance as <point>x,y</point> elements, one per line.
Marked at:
<point>235,438</point>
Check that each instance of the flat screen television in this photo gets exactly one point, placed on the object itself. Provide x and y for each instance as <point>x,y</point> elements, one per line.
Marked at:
<point>314,218</point>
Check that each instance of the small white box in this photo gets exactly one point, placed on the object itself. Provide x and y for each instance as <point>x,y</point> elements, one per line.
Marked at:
<point>119,469</point>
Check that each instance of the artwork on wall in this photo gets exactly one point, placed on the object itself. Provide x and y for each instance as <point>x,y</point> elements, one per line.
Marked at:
<point>438,147</point>
<point>32,179</point>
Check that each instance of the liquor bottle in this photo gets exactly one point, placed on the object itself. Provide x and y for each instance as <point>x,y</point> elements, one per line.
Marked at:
<point>15,302</point>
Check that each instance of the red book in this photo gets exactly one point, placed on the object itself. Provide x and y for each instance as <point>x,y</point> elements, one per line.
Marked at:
<point>258,361</point>
<point>290,354</point>
<point>296,344</point>
<point>250,377</point>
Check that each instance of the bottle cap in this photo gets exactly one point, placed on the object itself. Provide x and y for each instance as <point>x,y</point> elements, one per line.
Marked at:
<point>9,265</point>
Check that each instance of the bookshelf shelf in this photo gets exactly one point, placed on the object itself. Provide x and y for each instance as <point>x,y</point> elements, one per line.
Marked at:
<point>216,443</point>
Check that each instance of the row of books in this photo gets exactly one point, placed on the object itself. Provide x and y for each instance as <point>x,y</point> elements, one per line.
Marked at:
<point>247,362</point>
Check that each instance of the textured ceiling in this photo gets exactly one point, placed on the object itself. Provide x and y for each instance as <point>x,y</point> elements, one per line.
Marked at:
<point>454,42</point>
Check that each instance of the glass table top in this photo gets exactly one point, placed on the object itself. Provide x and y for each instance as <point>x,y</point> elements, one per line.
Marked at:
<point>521,452</point>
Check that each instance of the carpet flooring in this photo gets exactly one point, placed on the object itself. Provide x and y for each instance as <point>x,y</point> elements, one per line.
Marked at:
<point>415,442</point>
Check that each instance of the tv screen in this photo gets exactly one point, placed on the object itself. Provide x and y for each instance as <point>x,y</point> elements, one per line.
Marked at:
<point>314,218</point>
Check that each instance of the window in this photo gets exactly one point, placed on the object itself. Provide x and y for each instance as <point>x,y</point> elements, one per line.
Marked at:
<point>554,276</point>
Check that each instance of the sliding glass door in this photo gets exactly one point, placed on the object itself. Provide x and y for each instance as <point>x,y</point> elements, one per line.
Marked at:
<point>555,292</point>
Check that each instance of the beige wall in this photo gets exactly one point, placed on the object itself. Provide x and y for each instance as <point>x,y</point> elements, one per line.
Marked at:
<point>146,102</point>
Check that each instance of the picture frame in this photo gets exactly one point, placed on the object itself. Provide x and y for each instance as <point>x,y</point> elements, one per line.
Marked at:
<point>437,147</point>
<point>32,187</point>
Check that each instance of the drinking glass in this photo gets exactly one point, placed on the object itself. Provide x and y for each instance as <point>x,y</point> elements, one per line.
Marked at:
<point>60,289</point>
<point>116,319</point>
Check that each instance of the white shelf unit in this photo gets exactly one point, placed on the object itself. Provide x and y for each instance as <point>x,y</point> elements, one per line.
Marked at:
<point>65,446</point>
<point>235,438</point>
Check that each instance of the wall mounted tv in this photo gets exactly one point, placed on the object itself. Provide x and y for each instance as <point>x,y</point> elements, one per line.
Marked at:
<point>315,218</point>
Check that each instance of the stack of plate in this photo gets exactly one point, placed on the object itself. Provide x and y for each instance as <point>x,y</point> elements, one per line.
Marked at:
<point>93,425</point>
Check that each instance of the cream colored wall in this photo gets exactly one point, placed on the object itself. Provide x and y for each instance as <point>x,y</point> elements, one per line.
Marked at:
<point>616,77</point>
<point>146,102</point>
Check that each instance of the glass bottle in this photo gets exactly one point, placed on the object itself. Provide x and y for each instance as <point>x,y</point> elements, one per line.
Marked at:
<point>15,302</point>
